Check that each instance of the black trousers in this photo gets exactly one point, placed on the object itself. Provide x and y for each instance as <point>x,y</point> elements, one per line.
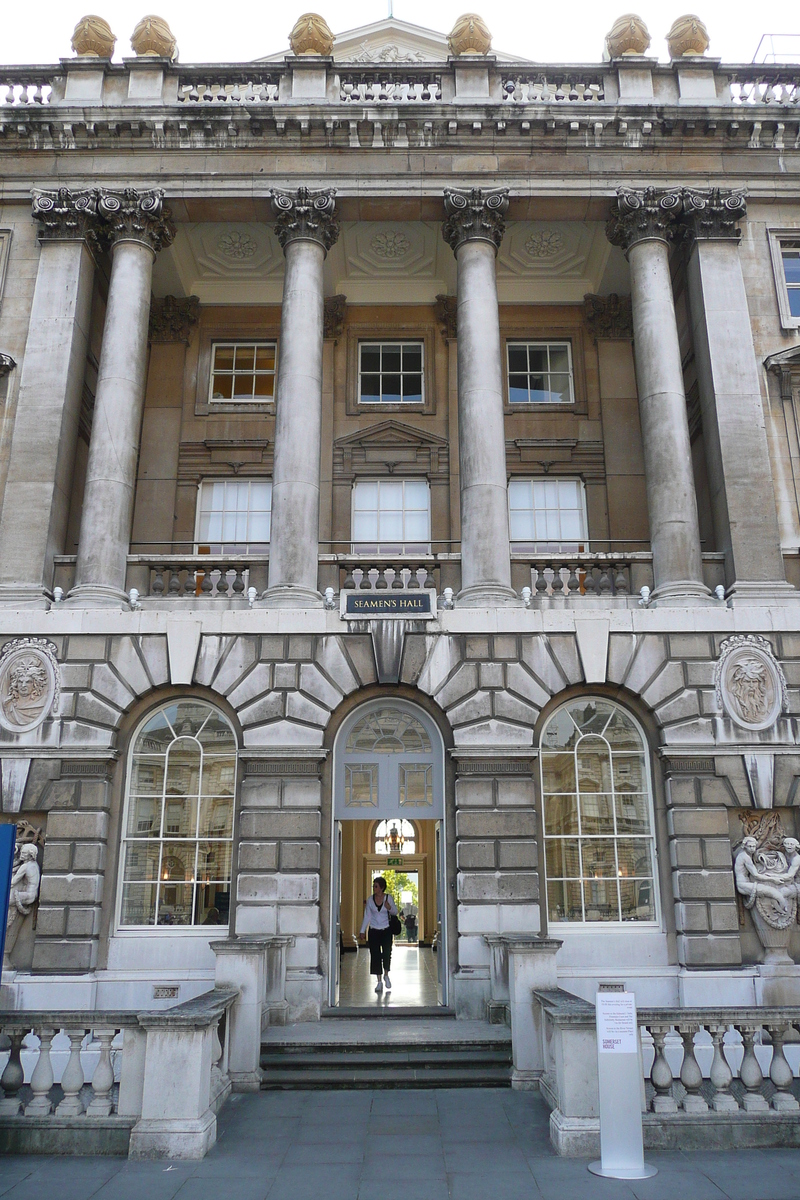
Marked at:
<point>380,950</point>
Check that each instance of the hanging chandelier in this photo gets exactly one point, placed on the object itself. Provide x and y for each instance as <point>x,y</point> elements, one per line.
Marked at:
<point>394,839</point>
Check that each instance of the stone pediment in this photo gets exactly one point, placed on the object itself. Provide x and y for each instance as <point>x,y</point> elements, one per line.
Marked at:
<point>386,42</point>
<point>391,447</point>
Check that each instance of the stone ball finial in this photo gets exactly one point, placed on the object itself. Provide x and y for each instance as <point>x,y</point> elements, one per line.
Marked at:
<point>628,35</point>
<point>688,35</point>
<point>153,38</point>
<point>311,35</point>
<point>92,38</point>
<point>470,35</point>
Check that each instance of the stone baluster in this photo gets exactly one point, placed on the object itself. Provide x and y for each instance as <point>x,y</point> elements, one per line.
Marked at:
<point>13,1077</point>
<point>720,1074</point>
<point>42,1078</point>
<point>643,223</point>
<point>779,1072</point>
<point>661,1072</point>
<point>33,525</point>
<point>691,1075</point>
<point>138,226</point>
<point>306,228</point>
<point>474,230</point>
<point>737,453</point>
<point>72,1079</point>
<point>750,1072</point>
<point>100,1104</point>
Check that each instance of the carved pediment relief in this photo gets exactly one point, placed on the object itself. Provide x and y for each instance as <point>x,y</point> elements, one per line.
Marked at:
<point>390,447</point>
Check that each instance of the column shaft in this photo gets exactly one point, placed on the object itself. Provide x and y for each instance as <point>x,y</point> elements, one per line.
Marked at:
<point>39,484</point>
<point>114,447</point>
<point>294,539</point>
<point>485,550</point>
<point>671,498</point>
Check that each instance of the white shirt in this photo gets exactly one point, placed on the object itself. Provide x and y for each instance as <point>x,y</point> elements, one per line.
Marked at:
<point>377,918</point>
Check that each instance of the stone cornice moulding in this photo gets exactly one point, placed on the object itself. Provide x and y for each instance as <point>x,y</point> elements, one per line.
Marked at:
<point>305,215</point>
<point>474,216</point>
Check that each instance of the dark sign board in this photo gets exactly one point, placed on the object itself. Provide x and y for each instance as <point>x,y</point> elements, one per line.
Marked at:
<point>8,837</point>
<point>377,605</point>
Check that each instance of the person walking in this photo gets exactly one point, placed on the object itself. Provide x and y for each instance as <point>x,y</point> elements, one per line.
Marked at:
<point>378,909</point>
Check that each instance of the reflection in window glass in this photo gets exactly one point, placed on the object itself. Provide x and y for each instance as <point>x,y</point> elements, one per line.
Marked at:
<point>177,848</point>
<point>389,731</point>
<point>547,514</point>
<point>361,785</point>
<point>599,846</point>
<point>539,372</point>
<point>416,784</point>
<point>391,516</point>
<point>791,271</point>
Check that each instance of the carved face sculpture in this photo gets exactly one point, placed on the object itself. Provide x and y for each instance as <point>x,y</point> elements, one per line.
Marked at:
<point>27,687</point>
<point>748,686</point>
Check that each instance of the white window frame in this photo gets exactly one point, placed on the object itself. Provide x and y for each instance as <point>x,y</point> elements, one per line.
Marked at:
<point>528,343</point>
<point>207,931</point>
<point>778,239</point>
<point>584,926</point>
<point>422,547</point>
<point>570,546</point>
<point>379,343</point>
<point>237,344</point>
<point>230,547</point>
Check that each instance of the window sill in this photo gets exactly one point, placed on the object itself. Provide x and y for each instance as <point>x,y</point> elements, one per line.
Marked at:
<point>208,931</point>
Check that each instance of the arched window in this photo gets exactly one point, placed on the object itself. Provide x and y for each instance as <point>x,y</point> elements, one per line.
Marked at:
<point>395,837</point>
<point>598,815</point>
<point>178,821</point>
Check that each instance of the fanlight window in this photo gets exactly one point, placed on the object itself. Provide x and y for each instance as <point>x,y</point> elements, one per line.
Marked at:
<point>178,826</point>
<point>395,837</point>
<point>598,823</point>
<point>388,731</point>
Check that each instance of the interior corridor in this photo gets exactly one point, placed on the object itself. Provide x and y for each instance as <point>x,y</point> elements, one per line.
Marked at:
<point>413,976</point>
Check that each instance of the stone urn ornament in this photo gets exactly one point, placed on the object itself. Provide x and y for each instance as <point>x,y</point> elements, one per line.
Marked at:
<point>688,37</point>
<point>153,38</point>
<point>767,875</point>
<point>311,35</point>
<point>628,35</point>
<point>470,35</point>
<point>92,38</point>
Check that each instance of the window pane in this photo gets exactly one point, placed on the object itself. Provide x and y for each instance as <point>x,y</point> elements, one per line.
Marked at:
<point>634,857</point>
<point>562,858</point>
<point>264,385</point>
<point>144,817</point>
<point>632,814</point>
<point>371,388</point>
<point>392,389</point>
<point>260,496</point>
<point>138,904</point>
<point>594,766</point>
<point>597,813</point>
<point>629,773</point>
<point>147,776</point>
<point>366,495</point>
<point>522,528</point>
<point>558,773</point>
<point>141,860</point>
<point>560,815</point>
<point>412,389</point>
<point>559,388</point>
<point>412,358</point>
<point>391,493</point>
<point>223,358</point>
<point>518,358</point>
<point>222,387</point>
<point>214,860</point>
<point>599,860</point>
<point>218,776</point>
<point>791,266</point>
<point>391,358</point>
<point>537,358</point>
<point>600,899</point>
<point>564,900</point>
<point>390,525</point>
<point>416,494</point>
<point>365,526</point>
<point>242,386</point>
<point>416,527</point>
<point>245,358</point>
<point>559,358</point>
<point>518,389</point>
<point>212,904</point>
<point>370,358</point>
<point>637,899</point>
<point>175,904</point>
<point>265,358</point>
<point>794,301</point>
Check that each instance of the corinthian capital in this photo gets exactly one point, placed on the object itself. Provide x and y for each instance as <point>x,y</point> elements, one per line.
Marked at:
<point>305,216</point>
<point>646,215</point>
<point>66,216</point>
<point>474,216</point>
<point>133,216</point>
<point>713,215</point>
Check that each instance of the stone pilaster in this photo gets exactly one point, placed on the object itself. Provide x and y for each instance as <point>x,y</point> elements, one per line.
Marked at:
<point>473,228</point>
<point>137,225</point>
<point>739,470</point>
<point>306,227</point>
<point>643,223</point>
<point>34,519</point>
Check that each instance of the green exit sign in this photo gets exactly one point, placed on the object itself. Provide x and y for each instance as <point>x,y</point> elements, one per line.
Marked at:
<point>395,862</point>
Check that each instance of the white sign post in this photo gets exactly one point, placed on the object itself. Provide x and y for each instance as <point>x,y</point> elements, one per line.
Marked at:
<point>620,1085</point>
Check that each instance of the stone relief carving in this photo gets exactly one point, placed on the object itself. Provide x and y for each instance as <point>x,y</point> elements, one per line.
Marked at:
<point>30,684</point>
<point>608,317</point>
<point>305,214</point>
<point>544,243</point>
<point>475,215</point>
<point>766,866</point>
<point>390,244</point>
<point>446,309</point>
<point>333,316</point>
<point>749,682</point>
<point>237,245</point>
<point>25,880</point>
<point>173,319</point>
<point>390,53</point>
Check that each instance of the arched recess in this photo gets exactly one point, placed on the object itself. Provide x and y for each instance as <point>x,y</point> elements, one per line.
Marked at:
<point>388,761</point>
<point>637,939</point>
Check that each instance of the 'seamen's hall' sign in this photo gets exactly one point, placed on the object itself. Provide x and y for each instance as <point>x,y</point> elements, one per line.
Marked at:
<point>416,605</point>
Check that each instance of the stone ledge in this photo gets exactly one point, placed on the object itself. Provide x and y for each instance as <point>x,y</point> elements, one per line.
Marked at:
<point>107,1136</point>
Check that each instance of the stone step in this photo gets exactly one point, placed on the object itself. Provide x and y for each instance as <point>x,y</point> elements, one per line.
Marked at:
<point>397,1077</point>
<point>439,1012</point>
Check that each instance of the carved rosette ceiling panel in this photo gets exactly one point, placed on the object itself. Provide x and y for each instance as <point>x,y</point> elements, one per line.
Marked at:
<point>30,684</point>
<point>239,250</point>
<point>373,250</point>
<point>749,682</point>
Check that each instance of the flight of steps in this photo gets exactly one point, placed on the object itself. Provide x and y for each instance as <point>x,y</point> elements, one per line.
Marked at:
<point>398,1053</point>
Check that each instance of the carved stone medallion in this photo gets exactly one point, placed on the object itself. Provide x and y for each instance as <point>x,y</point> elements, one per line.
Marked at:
<point>30,686</point>
<point>749,682</point>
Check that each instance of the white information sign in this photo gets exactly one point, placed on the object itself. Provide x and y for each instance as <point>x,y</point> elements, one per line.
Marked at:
<point>616,1023</point>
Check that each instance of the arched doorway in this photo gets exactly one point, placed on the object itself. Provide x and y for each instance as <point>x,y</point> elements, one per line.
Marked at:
<point>388,774</point>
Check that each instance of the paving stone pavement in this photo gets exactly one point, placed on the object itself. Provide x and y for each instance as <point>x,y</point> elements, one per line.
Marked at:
<point>463,1144</point>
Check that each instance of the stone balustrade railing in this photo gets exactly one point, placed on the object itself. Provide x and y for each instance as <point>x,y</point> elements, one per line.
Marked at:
<point>378,574</point>
<point>722,1077</point>
<point>768,87</point>
<point>152,1082</point>
<point>581,575</point>
<point>215,577</point>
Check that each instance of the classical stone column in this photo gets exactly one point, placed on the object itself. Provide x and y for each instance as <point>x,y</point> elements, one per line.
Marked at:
<point>34,518</point>
<point>306,228</point>
<point>138,226</point>
<point>474,230</point>
<point>643,223</point>
<point>739,470</point>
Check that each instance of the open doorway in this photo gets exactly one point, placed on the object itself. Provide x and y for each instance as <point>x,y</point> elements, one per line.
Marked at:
<point>389,820</point>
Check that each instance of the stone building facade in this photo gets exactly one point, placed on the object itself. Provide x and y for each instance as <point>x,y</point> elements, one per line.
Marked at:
<point>288,345</point>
